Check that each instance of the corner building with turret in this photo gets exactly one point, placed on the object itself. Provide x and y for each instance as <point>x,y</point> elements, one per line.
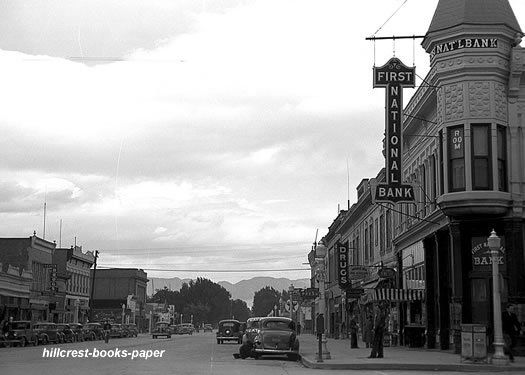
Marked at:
<point>464,151</point>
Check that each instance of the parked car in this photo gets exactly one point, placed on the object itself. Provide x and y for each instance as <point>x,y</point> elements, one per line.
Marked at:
<point>161,329</point>
<point>208,328</point>
<point>229,330</point>
<point>48,332</point>
<point>67,333</point>
<point>93,331</point>
<point>20,333</point>
<point>132,330</point>
<point>78,331</point>
<point>276,336</point>
<point>185,328</point>
<point>116,330</point>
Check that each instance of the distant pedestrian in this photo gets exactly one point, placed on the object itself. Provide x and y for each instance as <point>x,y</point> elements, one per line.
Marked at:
<point>379,329</point>
<point>353,333</point>
<point>344,334</point>
<point>368,329</point>
<point>107,330</point>
<point>298,329</point>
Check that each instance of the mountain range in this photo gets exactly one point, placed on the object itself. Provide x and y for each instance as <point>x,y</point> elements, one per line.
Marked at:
<point>244,289</point>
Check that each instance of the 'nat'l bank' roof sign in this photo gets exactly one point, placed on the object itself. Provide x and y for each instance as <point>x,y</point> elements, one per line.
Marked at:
<point>394,75</point>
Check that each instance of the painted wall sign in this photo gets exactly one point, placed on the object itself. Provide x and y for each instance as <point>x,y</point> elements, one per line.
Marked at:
<point>456,44</point>
<point>481,255</point>
<point>394,75</point>
<point>342,265</point>
<point>386,273</point>
<point>358,272</point>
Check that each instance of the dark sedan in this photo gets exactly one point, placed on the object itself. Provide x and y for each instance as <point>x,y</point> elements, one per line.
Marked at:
<point>276,336</point>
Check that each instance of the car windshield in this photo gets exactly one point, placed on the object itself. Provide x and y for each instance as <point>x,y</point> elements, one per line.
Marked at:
<point>278,325</point>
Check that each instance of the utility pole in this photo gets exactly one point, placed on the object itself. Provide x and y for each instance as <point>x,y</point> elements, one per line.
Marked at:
<point>93,287</point>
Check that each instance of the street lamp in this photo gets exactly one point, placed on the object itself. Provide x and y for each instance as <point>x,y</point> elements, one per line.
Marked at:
<point>320,254</point>
<point>494,243</point>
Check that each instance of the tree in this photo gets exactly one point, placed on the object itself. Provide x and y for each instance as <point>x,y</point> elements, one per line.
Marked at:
<point>240,310</point>
<point>264,301</point>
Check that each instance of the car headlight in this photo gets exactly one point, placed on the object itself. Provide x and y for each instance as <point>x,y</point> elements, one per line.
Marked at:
<point>14,334</point>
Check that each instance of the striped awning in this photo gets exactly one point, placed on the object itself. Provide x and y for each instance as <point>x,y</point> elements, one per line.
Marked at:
<point>396,295</point>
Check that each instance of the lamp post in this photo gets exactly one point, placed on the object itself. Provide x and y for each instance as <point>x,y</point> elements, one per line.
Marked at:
<point>494,243</point>
<point>320,254</point>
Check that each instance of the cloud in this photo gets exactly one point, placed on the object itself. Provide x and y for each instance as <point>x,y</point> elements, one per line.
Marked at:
<point>219,131</point>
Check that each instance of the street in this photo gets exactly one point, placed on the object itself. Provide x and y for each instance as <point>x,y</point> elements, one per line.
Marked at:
<point>184,355</point>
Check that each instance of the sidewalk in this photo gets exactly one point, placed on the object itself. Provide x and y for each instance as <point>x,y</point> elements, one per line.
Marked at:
<point>395,358</point>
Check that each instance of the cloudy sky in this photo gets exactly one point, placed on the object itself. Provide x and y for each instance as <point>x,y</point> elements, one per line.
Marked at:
<point>193,134</point>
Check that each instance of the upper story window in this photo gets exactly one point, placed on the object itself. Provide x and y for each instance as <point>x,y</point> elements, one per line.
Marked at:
<point>382,234</point>
<point>502,158</point>
<point>371,240</point>
<point>366,247</point>
<point>481,157</point>
<point>388,228</point>
<point>456,158</point>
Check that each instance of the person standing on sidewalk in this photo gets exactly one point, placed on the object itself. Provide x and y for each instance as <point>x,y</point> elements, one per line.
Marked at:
<point>368,328</point>
<point>353,333</point>
<point>379,328</point>
<point>511,330</point>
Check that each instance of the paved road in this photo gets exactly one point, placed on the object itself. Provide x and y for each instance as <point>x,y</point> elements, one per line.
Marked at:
<point>183,355</point>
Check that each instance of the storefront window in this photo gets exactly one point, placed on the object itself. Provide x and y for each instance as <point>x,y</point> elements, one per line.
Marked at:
<point>481,161</point>
<point>456,156</point>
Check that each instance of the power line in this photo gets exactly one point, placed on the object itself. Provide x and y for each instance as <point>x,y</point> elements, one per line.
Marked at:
<point>217,271</point>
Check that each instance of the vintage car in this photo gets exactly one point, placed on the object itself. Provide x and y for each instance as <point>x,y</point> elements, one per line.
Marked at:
<point>185,328</point>
<point>116,330</point>
<point>161,329</point>
<point>207,328</point>
<point>93,331</point>
<point>276,336</point>
<point>78,331</point>
<point>131,330</point>
<point>67,333</point>
<point>20,333</point>
<point>229,330</point>
<point>48,332</point>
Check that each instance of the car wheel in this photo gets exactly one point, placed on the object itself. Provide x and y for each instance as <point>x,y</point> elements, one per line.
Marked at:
<point>45,340</point>
<point>93,337</point>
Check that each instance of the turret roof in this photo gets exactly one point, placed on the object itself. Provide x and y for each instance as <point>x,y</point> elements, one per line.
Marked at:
<point>450,13</point>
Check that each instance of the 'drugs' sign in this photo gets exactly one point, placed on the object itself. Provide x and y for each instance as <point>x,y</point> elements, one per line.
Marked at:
<point>482,258</point>
<point>394,75</point>
<point>342,265</point>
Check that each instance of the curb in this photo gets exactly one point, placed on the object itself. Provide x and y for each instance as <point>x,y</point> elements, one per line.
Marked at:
<point>410,366</point>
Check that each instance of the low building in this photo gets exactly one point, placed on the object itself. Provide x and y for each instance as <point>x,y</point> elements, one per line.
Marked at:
<point>120,295</point>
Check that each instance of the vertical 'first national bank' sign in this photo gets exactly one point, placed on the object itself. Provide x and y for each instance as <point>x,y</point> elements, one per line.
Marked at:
<point>394,75</point>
